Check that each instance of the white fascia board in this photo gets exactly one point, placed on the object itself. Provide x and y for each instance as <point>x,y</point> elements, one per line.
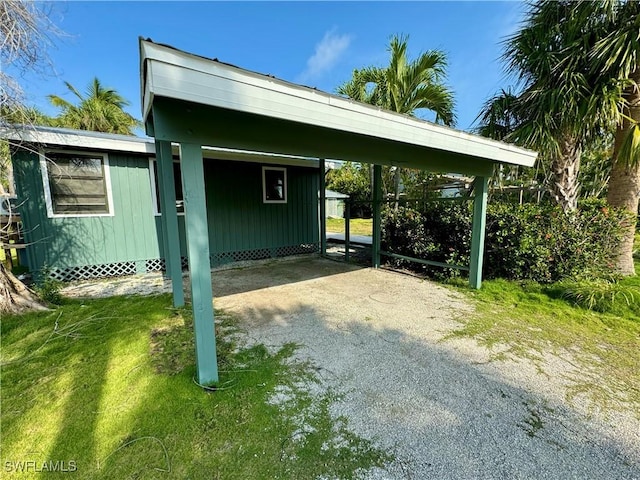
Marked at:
<point>82,139</point>
<point>186,77</point>
<point>147,94</point>
<point>101,142</point>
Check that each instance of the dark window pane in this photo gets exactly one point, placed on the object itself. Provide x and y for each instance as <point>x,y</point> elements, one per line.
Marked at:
<point>77,184</point>
<point>274,185</point>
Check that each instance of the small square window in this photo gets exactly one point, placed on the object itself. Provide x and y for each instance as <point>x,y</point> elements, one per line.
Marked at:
<point>76,184</point>
<point>274,185</point>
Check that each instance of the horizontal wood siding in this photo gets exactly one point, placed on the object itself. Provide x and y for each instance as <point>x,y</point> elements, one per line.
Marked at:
<point>129,235</point>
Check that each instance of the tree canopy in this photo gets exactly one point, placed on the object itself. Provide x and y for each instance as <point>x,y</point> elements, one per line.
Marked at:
<point>404,85</point>
<point>101,109</point>
<point>578,75</point>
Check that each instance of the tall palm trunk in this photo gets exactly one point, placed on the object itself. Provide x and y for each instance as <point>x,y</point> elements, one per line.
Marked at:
<point>565,167</point>
<point>624,184</point>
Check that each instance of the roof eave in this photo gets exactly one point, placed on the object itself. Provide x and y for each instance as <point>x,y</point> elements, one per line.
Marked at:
<point>176,69</point>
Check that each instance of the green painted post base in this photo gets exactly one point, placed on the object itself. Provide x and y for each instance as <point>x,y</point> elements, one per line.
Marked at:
<point>347,230</point>
<point>199,269</point>
<point>481,188</point>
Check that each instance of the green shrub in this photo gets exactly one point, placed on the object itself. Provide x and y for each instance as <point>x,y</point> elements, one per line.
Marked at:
<point>523,242</point>
<point>48,288</point>
<point>440,232</point>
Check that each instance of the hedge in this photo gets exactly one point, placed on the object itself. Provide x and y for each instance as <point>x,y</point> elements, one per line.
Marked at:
<point>523,242</point>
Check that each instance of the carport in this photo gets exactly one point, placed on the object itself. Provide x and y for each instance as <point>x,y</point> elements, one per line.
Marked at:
<point>194,102</point>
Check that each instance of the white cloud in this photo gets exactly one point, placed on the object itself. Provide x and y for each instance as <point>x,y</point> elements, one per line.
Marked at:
<point>327,54</point>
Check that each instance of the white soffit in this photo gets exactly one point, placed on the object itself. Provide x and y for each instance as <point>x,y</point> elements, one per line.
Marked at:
<point>70,138</point>
<point>171,73</point>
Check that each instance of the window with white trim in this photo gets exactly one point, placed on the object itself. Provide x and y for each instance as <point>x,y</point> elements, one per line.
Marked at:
<point>274,185</point>
<point>76,183</point>
<point>177,180</point>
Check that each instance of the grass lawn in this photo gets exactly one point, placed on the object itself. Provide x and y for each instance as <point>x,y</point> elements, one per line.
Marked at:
<point>358,226</point>
<point>106,386</point>
<point>531,319</point>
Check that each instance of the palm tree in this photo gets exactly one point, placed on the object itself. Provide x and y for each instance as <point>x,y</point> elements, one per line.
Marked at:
<point>101,110</point>
<point>404,86</point>
<point>555,111</point>
<point>579,63</point>
<point>616,60</point>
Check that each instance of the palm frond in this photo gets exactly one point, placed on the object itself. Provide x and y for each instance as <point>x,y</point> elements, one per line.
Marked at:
<point>629,152</point>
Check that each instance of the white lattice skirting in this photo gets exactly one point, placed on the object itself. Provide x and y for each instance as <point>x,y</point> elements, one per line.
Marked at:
<point>119,269</point>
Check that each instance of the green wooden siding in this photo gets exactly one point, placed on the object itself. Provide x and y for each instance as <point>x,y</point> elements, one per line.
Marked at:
<point>129,235</point>
<point>238,219</point>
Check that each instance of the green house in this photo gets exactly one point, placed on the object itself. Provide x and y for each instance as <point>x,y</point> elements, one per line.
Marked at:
<point>90,203</point>
<point>247,184</point>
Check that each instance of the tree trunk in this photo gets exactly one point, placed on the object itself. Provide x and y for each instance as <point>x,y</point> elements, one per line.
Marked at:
<point>565,167</point>
<point>624,183</point>
<point>15,297</point>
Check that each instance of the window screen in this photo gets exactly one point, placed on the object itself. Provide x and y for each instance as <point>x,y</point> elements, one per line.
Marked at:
<point>77,183</point>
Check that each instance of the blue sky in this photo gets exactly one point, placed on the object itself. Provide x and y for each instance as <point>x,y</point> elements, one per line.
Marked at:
<point>316,44</point>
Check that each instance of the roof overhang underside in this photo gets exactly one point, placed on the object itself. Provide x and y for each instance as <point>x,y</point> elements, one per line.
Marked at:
<point>191,99</point>
<point>64,138</point>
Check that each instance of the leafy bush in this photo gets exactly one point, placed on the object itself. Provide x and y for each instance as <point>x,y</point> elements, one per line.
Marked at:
<point>440,232</point>
<point>523,242</point>
<point>48,288</point>
<point>353,180</point>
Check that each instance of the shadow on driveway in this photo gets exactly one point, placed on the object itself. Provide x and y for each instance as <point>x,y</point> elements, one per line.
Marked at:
<point>444,411</point>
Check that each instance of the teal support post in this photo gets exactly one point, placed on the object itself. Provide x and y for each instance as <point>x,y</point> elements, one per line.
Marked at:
<point>323,208</point>
<point>169,220</point>
<point>481,188</point>
<point>377,222</point>
<point>199,263</point>
<point>163,208</point>
<point>347,230</point>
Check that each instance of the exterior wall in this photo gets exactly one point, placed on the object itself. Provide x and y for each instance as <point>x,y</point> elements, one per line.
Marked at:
<point>335,208</point>
<point>129,237</point>
<point>241,226</point>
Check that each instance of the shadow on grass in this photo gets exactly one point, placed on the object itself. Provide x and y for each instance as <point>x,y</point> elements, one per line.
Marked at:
<point>127,406</point>
<point>261,422</point>
<point>55,369</point>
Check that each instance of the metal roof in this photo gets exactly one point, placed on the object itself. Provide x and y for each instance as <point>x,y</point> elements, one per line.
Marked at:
<point>169,73</point>
<point>109,142</point>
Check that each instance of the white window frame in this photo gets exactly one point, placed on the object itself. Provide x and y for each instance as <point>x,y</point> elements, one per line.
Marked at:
<point>44,170</point>
<point>153,163</point>
<point>264,185</point>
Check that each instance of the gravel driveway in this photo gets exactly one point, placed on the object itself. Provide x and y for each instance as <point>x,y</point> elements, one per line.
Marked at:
<point>439,405</point>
